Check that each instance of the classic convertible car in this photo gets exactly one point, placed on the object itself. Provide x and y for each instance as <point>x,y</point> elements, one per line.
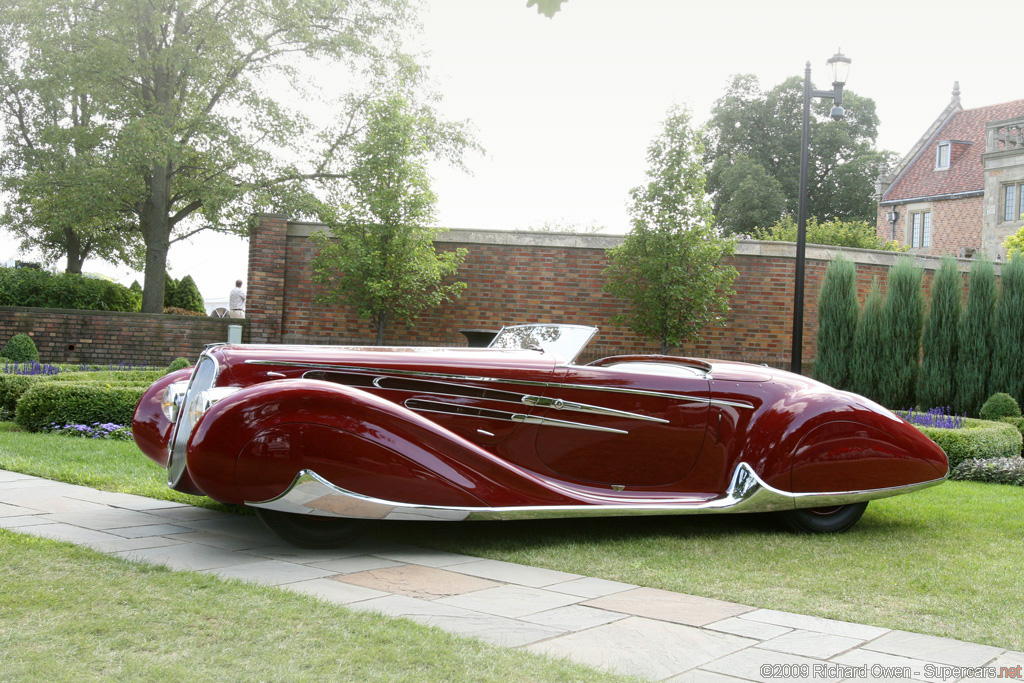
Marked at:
<point>318,438</point>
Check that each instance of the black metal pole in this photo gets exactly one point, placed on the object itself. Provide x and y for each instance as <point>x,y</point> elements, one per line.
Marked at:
<point>796,356</point>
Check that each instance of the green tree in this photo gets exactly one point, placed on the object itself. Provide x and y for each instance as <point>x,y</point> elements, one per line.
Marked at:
<point>900,351</point>
<point>196,109</point>
<point>1008,364</point>
<point>835,232</point>
<point>378,255</point>
<point>864,366</point>
<point>187,295</point>
<point>977,328</point>
<point>670,266</point>
<point>939,369</point>
<point>838,311</point>
<point>753,134</point>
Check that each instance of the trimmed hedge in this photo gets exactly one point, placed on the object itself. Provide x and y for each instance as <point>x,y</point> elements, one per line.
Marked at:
<point>37,288</point>
<point>996,471</point>
<point>999,406</point>
<point>109,376</point>
<point>977,439</point>
<point>13,386</point>
<point>20,348</point>
<point>48,403</point>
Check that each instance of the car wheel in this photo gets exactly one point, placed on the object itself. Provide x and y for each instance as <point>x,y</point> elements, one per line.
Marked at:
<point>834,519</point>
<point>308,531</point>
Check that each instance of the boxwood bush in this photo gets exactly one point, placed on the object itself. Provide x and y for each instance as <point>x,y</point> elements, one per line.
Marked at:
<point>48,403</point>
<point>996,470</point>
<point>12,387</point>
<point>999,406</point>
<point>110,376</point>
<point>976,439</point>
<point>20,349</point>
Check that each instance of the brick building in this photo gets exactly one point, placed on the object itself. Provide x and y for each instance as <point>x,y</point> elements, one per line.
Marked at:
<point>959,189</point>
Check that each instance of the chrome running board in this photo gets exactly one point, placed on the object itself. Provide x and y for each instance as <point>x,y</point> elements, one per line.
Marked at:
<point>311,494</point>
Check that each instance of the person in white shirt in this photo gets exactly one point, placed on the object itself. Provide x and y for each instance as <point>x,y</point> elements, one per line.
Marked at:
<point>236,301</point>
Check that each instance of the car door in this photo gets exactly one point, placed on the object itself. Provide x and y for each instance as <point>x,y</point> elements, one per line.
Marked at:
<point>628,425</point>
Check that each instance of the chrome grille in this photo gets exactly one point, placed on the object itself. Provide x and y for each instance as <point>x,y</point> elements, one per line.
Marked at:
<point>203,378</point>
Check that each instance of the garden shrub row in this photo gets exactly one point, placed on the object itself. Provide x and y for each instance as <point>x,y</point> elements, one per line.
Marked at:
<point>977,439</point>
<point>49,403</point>
<point>39,289</point>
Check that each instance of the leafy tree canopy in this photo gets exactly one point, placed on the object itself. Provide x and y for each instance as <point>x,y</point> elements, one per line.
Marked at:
<point>670,266</point>
<point>378,255</point>
<point>170,117</point>
<point>753,156</point>
<point>546,7</point>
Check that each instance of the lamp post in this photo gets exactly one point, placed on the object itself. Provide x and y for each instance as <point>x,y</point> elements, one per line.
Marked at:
<point>840,66</point>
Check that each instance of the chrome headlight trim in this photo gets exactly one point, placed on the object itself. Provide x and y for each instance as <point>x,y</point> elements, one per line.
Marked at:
<point>173,397</point>
<point>206,400</point>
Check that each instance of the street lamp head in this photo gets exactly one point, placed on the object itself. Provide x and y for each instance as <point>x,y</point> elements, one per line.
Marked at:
<point>840,65</point>
<point>837,113</point>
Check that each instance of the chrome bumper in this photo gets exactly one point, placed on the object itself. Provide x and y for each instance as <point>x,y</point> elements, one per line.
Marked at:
<point>311,494</point>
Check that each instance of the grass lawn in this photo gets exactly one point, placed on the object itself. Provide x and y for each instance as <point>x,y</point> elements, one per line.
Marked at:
<point>71,614</point>
<point>944,561</point>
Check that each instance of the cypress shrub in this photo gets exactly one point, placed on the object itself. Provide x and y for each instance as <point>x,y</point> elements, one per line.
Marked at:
<point>900,351</point>
<point>977,334</point>
<point>187,296</point>
<point>941,339</point>
<point>866,345</point>
<point>1008,363</point>
<point>837,324</point>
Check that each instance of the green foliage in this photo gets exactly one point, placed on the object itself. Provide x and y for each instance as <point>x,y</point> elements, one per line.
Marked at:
<point>1008,357</point>
<point>188,297</point>
<point>169,120</point>
<point>1014,245</point>
<point>755,134</point>
<point>864,366</point>
<point>998,406</point>
<point>671,266</point>
<point>900,352</point>
<point>108,376</point>
<point>941,339</point>
<point>12,387</point>
<point>39,289</point>
<point>835,232</point>
<point>379,257</point>
<point>1008,471</point>
<point>177,364</point>
<point>976,439</point>
<point>976,340</point>
<point>47,403</point>
<point>838,312</point>
<point>20,348</point>
<point>546,7</point>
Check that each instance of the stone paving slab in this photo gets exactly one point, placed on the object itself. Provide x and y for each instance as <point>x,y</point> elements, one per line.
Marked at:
<point>654,634</point>
<point>669,606</point>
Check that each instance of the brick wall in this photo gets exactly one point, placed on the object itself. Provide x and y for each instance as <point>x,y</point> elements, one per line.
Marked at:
<point>548,277</point>
<point>103,337</point>
<point>956,224</point>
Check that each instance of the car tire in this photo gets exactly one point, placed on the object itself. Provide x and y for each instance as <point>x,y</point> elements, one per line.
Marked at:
<point>309,531</point>
<point>824,520</point>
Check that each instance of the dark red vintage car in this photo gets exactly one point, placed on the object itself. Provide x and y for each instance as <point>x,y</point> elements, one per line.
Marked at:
<point>316,438</point>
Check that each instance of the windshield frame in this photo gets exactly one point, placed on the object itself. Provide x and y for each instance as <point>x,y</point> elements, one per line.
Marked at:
<point>563,342</point>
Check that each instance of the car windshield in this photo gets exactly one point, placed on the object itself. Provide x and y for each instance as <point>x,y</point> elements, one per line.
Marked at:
<point>564,342</point>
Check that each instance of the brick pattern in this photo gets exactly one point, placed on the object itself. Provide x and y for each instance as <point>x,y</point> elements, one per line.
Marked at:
<point>956,224</point>
<point>544,283</point>
<point>266,282</point>
<point>104,337</point>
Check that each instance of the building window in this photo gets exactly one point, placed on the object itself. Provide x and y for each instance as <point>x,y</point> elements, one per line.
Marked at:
<point>921,229</point>
<point>1012,206</point>
<point>942,156</point>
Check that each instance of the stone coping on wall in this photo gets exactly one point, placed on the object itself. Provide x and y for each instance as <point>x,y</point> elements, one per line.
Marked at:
<point>90,311</point>
<point>563,240</point>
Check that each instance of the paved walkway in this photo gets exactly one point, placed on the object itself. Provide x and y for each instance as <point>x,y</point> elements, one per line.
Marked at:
<point>654,634</point>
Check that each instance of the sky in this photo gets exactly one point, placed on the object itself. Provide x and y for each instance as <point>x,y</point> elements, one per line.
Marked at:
<point>566,107</point>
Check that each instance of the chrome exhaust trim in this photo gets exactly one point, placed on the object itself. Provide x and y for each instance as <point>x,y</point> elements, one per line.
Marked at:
<point>311,494</point>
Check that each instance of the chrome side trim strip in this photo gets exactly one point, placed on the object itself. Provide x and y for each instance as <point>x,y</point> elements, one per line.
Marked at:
<point>517,382</point>
<point>311,494</point>
<point>421,406</point>
<point>387,383</point>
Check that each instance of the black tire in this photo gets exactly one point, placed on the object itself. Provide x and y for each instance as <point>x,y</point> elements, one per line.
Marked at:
<point>308,531</point>
<point>824,520</point>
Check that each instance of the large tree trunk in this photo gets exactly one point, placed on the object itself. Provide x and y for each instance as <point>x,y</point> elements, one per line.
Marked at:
<point>156,231</point>
<point>76,258</point>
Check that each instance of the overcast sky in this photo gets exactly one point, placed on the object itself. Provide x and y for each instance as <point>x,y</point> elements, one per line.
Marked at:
<point>566,107</point>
